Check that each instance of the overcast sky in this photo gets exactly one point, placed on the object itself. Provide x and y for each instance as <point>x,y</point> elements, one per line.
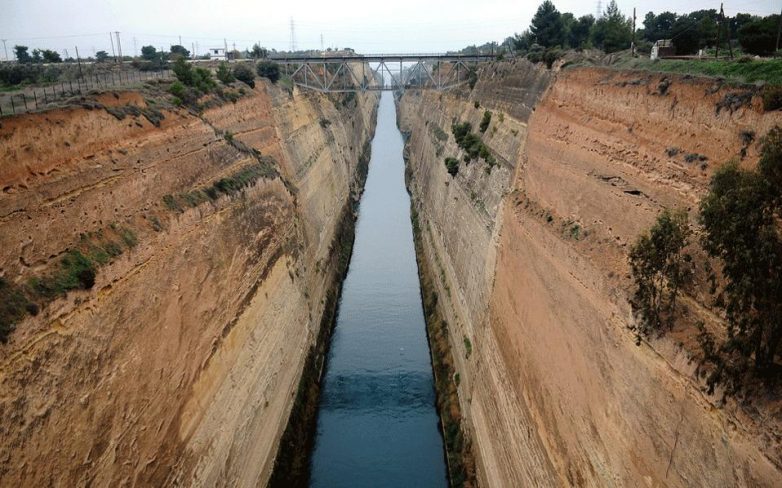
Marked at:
<point>367,26</point>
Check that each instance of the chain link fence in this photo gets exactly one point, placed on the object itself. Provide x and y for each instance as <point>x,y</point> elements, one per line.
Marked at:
<point>31,99</point>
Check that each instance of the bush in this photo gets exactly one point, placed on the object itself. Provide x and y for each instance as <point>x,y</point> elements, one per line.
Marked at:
<point>772,97</point>
<point>659,269</point>
<point>177,89</point>
<point>224,73</point>
<point>269,70</point>
<point>550,56</point>
<point>76,272</point>
<point>14,305</point>
<point>453,166</point>
<point>245,74</point>
<point>460,131</point>
<point>198,78</point>
<point>17,73</point>
<point>485,121</point>
<point>471,143</point>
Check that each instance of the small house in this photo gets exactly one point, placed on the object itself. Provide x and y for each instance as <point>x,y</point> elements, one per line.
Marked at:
<point>217,53</point>
<point>663,48</point>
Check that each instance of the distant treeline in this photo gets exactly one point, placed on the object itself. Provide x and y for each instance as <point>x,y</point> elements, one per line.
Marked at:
<point>613,31</point>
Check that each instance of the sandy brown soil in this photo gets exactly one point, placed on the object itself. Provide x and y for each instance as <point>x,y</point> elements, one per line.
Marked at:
<point>179,365</point>
<point>555,390</point>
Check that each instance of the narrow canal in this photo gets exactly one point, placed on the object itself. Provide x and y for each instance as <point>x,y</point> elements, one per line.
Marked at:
<point>377,422</point>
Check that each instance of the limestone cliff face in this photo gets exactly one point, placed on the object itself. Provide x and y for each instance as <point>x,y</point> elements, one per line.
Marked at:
<point>531,273</point>
<point>180,365</point>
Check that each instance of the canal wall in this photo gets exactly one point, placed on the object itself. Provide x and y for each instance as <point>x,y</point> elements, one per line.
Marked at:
<point>176,271</point>
<point>526,255</point>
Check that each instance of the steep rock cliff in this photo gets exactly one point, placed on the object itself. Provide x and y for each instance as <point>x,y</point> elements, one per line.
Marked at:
<point>214,242</point>
<point>530,268</point>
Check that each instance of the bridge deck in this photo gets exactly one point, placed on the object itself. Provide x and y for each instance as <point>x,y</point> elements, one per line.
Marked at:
<point>379,58</point>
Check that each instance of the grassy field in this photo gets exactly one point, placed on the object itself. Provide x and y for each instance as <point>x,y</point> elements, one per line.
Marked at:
<point>744,71</point>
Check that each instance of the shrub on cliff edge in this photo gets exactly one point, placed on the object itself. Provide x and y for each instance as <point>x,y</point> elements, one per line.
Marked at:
<point>485,121</point>
<point>453,166</point>
<point>270,70</point>
<point>659,269</point>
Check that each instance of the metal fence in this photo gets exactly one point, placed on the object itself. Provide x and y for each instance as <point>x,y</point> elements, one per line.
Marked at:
<point>31,99</point>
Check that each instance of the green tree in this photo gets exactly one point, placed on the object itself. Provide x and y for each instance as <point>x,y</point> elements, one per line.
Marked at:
<point>579,31</point>
<point>149,53</point>
<point>685,36</point>
<point>737,22</point>
<point>259,52</point>
<point>547,25</point>
<point>659,269</point>
<point>759,36</point>
<point>22,55</point>
<point>270,70</point>
<point>523,41</point>
<point>658,27</point>
<point>180,51</point>
<point>245,74</point>
<point>101,56</point>
<point>741,216</point>
<point>50,56</point>
<point>613,31</point>
<point>224,74</point>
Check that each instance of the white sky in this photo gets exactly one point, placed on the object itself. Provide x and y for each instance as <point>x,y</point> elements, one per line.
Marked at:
<point>406,26</point>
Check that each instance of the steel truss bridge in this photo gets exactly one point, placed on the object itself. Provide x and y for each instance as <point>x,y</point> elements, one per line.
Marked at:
<point>359,73</point>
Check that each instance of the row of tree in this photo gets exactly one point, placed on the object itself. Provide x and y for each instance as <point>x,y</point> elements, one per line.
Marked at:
<point>38,56</point>
<point>550,28</point>
<point>702,28</point>
<point>148,53</point>
<point>613,31</point>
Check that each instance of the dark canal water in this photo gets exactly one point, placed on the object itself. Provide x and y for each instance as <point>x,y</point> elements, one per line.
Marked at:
<point>377,423</point>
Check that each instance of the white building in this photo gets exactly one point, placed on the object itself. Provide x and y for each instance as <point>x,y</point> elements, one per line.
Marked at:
<point>217,53</point>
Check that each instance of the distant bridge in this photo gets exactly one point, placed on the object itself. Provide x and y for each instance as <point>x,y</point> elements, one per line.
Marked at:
<point>376,72</point>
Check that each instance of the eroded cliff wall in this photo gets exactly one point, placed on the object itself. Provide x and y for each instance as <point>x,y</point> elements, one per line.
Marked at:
<point>530,269</point>
<point>213,237</point>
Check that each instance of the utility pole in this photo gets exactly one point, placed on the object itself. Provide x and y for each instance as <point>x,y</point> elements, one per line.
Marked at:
<point>632,43</point>
<point>192,48</point>
<point>293,36</point>
<point>727,31</point>
<point>78,60</point>
<point>135,51</point>
<point>6,49</point>
<point>119,46</point>
<point>111,38</point>
<point>719,31</point>
<point>225,45</point>
<point>779,31</point>
<point>321,41</point>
